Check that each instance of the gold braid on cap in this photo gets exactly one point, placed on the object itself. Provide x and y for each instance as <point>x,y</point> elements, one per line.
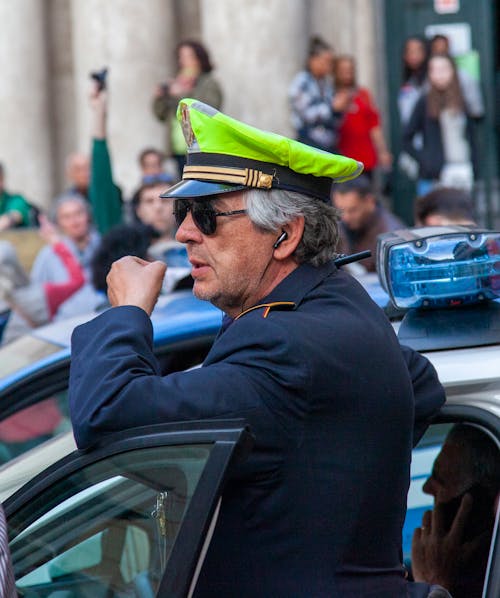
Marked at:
<point>239,176</point>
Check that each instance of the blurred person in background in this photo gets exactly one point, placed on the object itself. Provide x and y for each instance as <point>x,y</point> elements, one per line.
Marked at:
<point>104,195</point>
<point>35,303</point>
<point>151,163</point>
<point>360,135</point>
<point>444,206</point>
<point>413,85</point>
<point>151,209</point>
<point>121,240</point>
<point>414,75</point>
<point>194,79</point>
<point>146,206</point>
<point>71,214</point>
<point>152,174</point>
<point>14,209</point>
<point>363,218</point>
<point>78,174</point>
<point>471,90</point>
<point>315,117</point>
<point>447,155</point>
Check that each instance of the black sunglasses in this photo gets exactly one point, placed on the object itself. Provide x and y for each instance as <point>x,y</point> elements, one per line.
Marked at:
<point>203,213</point>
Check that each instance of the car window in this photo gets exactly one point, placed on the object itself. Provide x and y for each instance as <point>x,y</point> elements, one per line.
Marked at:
<point>418,502</point>
<point>33,425</point>
<point>45,414</point>
<point>108,529</point>
<point>454,466</point>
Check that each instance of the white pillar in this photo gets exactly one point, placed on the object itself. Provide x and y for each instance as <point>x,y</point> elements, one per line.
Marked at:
<point>350,27</point>
<point>135,40</point>
<point>25,139</point>
<point>257,47</point>
<point>62,88</point>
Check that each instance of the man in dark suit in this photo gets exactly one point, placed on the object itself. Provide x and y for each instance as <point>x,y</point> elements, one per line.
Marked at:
<point>304,356</point>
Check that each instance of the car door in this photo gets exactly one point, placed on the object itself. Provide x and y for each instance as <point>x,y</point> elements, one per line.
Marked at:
<point>132,517</point>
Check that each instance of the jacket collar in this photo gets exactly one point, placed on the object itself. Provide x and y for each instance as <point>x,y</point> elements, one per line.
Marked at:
<point>289,291</point>
<point>299,283</point>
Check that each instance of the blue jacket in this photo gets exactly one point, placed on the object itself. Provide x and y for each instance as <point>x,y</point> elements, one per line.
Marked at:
<point>317,509</point>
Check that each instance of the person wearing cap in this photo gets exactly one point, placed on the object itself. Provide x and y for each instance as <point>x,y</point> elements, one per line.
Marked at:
<point>303,355</point>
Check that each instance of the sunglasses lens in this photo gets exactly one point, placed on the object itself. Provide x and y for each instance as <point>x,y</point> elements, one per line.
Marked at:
<point>204,218</point>
<point>202,212</point>
<point>181,207</point>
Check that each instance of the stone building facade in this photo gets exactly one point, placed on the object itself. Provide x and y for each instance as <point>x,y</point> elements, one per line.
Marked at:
<point>48,48</point>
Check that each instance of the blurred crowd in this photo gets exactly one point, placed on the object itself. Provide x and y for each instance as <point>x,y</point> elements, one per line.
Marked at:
<point>90,224</point>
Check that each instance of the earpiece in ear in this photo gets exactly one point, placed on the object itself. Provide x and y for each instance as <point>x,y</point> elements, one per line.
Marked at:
<point>280,239</point>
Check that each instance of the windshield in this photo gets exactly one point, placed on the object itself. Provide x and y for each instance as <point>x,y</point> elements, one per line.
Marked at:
<point>22,352</point>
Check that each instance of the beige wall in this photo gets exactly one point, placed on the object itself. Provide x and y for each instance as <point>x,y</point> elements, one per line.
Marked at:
<point>47,50</point>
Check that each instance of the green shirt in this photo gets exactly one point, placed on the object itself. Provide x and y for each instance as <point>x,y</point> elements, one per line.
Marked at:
<point>15,203</point>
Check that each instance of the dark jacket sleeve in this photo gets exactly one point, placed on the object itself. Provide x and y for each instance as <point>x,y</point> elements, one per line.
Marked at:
<point>116,384</point>
<point>429,395</point>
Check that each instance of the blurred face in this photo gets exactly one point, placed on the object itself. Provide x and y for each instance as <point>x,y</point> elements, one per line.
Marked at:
<point>449,478</point>
<point>73,220</point>
<point>344,73</point>
<point>356,210</point>
<point>78,171</point>
<point>321,64</point>
<point>151,164</point>
<point>155,211</point>
<point>188,59</point>
<point>440,46</point>
<point>230,267</point>
<point>414,54</point>
<point>440,72</point>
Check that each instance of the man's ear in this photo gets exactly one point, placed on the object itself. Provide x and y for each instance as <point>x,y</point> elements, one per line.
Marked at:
<point>288,243</point>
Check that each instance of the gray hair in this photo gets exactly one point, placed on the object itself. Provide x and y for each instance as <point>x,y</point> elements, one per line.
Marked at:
<point>271,210</point>
<point>66,197</point>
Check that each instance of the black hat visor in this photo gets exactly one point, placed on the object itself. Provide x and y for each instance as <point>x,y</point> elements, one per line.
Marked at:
<point>195,188</point>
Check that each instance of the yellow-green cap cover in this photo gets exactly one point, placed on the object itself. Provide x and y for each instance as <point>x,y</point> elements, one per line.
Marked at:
<point>225,155</point>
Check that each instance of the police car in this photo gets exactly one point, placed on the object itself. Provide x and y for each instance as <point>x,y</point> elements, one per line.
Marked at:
<point>134,516</point>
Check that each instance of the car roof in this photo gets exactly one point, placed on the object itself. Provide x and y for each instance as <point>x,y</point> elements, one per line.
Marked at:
<point>175,318</point>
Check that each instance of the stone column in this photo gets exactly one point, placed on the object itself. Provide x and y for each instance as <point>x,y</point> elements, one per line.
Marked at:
<point>62,88</point>
<point>135,40</point>
<point>257,47</point>
<point>25,126</point>
<point>352,27</point>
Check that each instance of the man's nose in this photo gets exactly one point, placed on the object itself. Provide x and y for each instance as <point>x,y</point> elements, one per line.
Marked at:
<point>188,231</point>
<point>429,487</point>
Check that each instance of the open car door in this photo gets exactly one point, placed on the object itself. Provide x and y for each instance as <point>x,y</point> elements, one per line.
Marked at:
<point>132,517</point>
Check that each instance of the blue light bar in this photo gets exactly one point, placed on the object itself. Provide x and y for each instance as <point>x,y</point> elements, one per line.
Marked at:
<point>439,266</point>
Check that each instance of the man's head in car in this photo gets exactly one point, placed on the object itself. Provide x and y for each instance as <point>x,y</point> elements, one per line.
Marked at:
<point>468,457</point>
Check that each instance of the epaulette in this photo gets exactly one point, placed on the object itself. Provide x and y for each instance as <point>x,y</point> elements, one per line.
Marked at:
<point>277,305</point>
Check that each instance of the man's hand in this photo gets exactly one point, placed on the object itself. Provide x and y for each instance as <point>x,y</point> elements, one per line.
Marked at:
<point>134,281</point>
<point>438,556</point>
